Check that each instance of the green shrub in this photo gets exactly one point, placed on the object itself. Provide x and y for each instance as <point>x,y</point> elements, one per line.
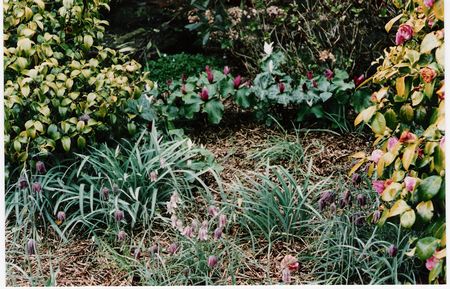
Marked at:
<point>62,88</point>
<point>407,118</point>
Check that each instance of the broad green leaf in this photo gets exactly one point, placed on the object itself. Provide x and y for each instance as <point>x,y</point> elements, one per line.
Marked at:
<point>407,219</point>
<point>429,188</point>
<point>425,210</point>
<point>214,109</point>
<point>52,132</point>
<point>379,124</point>
<point>436,271</point>
<point>425,247</point>
<point>65,140</point>
<point>81,142</point>
<point>398,208</point>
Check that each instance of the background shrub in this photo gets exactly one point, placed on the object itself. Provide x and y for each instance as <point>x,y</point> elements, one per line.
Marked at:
<point>62,88</point>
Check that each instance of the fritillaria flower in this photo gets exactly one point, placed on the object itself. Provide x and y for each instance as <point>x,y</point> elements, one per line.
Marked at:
<point>153,176</point>
<point>376,216</point>
<point>105,193</point>
<point>173,248</point>
<point>119,215</point>
<point>222,220</point>
<point>173,203</point>
<point>203,231</point>
<point>333,208</point>
<point>136,253</point>
<point>60,217</point>
<point>392,251</point>
<point>153,249</point>
<point>212,261</point>
<point>213,211</point>
<point>22,183</point>
<point>361,199</point>
<point>188,231</point>
<point>356,179</point>
<point>36,187</point>
<point>40,167</point>
<point>217,233</point>
<point>404,33</point>
<point>121,235</point>
<point>174,220</point>
<point>31,247</point>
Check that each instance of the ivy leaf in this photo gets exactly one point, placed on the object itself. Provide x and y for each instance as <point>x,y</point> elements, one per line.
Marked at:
<point>214,108</point>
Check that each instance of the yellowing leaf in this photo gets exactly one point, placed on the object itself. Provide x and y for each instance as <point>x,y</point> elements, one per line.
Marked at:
<point>407,219</point>
<point>408,156</point>
<point>440,55</point>
<point>425,210</point>
<point>438,9</point>
<point>388,158</point>
<point>391,22</point>
<point>391,191</point>
<point>400,86</point>
<point>365,115</point>
<point>356,167</point>
<point>88,41</point>
<point>398,208</point>
<point>417,98</point>
<point>429,42</point>
<point>379,124</point>
<point>358,155</point>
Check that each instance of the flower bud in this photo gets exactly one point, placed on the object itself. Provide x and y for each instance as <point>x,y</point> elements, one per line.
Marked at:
<point>36,187</point>
<point>172,249</point>
<point>226,70</point>
<point>204,95</point>
<point>153,176</point>
<point>210,76</point>
<point>237,82</point>
<point>40,167</point>
<point>119,215</point>
<point>136,252</point>
<point>31,247</point>
<point>329,74</point>
<point>309,75</point>
<point>121,235</point>
<point>404,33</point>
<point>392,251</point>
<point>376,216</point>
<point>212,261</point>
<point>61,216</point>
<point>281,87</point>
<point>213,211</point>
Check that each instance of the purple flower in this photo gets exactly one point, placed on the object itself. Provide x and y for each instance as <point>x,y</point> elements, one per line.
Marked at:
<point>40,167</point>
<point>218,233</point>
<point>105,193</point>
<point>85,117</point>
<point>327,197</point>
<point>410,183</point>
<point>204,95</point>
<point>378,186</point>
<point>361,200</point>
<point>342,203</point>
<point>213,211</point>
<point>222,220</point>
<point>356,179</point>
<point>174,220</point>
<point>376,156</point>
<point>358,219</point>
<point>392,142</point>
<point>31,247</point>
<point>119,215</point>
<point>333,208</point>
<point>329,74</point>
<point>286,276</point>
<point>203,231</point>
<point>404,33</point>
<point>237,82</point>
<point>153,249</point>
<point>376,216</point>
<point>136,253</point>
<point>188,231</point>
<point>173,248</point>
<point>281,87</point>
<point>322,204</point>
<point>347,197</point>
<point>36,187</point>
<point>210,76</point>
<point>358,80</point>
<point>60,216</point>
<point>428,3</point>
<point>392,251</point>
<point>22,183</point>
<point>309,75</point>
<point>121,235</point>
<point>195,224</point>
<point>212,261</point>
<point>153,176</point>
<point>314,83</point>
<point>226,70</point>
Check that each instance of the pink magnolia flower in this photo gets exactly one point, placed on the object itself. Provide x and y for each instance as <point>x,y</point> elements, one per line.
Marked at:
<point>404,33</point>
<point>329,74</point>
<point>410,183</point>
<point>237,82</point>
<point>226,70</point>
<point>391,143</point>
<point>204,95</point>
<point>376,155</point>
<point>431,262</point>
<point>428,3</point>
<point>378,186</point>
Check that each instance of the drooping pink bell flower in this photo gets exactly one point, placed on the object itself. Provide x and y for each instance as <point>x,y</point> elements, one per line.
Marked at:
<point>203,231</point>
<point>404,33</point>
<point>121,236</point>
<point>218,233</point>
<point>410,183</point>
<point>222,220</point>
<point>22,183</point>
<point>60,216</point>
<point>428,3</point>
<point>36,187</point>
<point>376,155</point>
<point>237,82</point>
<point>173,248</point>
<point>391,143</point>
<point>378,186</point>
<point>281,87</point>
<point>392,250</point>
<point>105,193</point>
<point>329,74</point>
<point>309,75</point>
<point>188,231</point>
<point>31,247</point>
<point>212,261</point>
<point>213,211</point>
<point>119,215</point>
<point>358,80</point>
<point>153,176</point>
<point>226,70</point>
<point>204,95</point>
<point>40,167</point>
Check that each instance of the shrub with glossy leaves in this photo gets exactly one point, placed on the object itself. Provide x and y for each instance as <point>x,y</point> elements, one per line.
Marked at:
<point>63,89</point>
<point>407,118</point>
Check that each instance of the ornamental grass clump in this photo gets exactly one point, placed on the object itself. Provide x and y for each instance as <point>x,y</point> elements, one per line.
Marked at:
<point>408,120</point>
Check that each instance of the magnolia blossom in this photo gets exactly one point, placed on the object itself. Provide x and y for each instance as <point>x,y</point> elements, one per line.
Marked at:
<point>391,143</point>
<point>428,3</point>
<point>404,33</point>
<point>268,48</point>
<point>376,155</point>
<point>428,74</point>
<point>378,186</point>
<point>410,183</point>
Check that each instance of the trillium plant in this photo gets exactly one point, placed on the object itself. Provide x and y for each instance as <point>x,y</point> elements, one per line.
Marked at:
<point>407,118</point>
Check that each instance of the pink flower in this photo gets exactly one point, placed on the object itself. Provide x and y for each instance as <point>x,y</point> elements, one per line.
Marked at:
<point>407,137</point>
<point>121,235</point>
<point>210,76</point>
<point>431,262</point>
<point>222,220</point>
<point>309,75</point>
<point>40,167</point>
<point>174,220</point>
<point>329,74</point>
<point>391,143</point>
<point>376,156</point>
<point>218,233</point>
<point>237,82</point>
<point>31,247</point>
<point>358,80</point>
<point>153,176</point>
<point>204,95</point>
<point>378,186</point>
<point>442,143</point>
<point>119,215</point>
<point>172,204</point>
<point>36,187</point>
<point>226,70</point>
<point>404,33</point>
<point>410,183</point>
<point>188,231</point>
<point>314,83</point>
<point>173,248</point>
<point>203,231</point>
<point>288,264</point>
<point>281,87</point>
<point>428,3</point>
<point>213,211</point>
<point>212,261</point>
<point>60,216</point>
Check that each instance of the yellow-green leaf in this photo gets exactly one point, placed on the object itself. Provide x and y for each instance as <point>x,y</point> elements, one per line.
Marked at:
<point>408,155</point>
<point>365,115</point>
<point>391,22</point>
<point>65,140</point>
<point>379,124</point>
<point>88,41</point>
<point>398,208</point>
<point>440,55</point>
<point>416,97</point>
<point>391,191</point>
<point>425,210</point>
<point>400,86</point>
<point>429,42</point>
<point>407,219</point>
